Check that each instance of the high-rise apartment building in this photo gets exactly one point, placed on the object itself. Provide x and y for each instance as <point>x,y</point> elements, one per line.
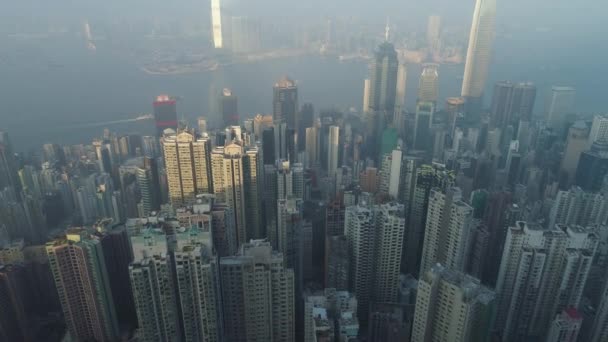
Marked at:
<point>565,327</point>
<point>579,207</point>
<point>479,54</point>
<point>198,291</point>
<point>165,113</point>
<point>426,178</point>
<point>188,166</point>
<point>285,103</point>
<point>78,265</point>
<point>375,241</point>
<point>561,104</point>
<point>229,184</point>
<point>599,328</point>
<point>428,86</point>
<point>453,307</point>
<point>258,295</point>
<point>447,231</point>
<point>542,272</point>
<point>390,229</point>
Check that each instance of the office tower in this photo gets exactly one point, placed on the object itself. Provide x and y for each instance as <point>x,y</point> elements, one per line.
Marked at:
<point>246,35</point>
<point>428,85</point>
<point>592,167</point>
<point>422,127</point>
<point>285,103</point>
<point>258,295</point>
<point>8,166</point>
<point>367,86</point>
<point>306,120</point>
<point>523,101</point>
<point>268,146</point>
<point>566,326</point>
<point>447,232</point>
<point>452,306</point>
<point>220,25</point>
<point>390,229</point>
<point>479,55</point>
<point>165,114</point>
<point>149,188</point>
<point>83,285</point>
<point>150,146</point>
<point>427,178</point>
<point>224,233</point>
<point>542,272</point>
<point>512,103</point>
<point>228,104</point>
<point>433,33</point>
<point>312,147</point>
<point>579,207</point>
<point>198,290</point>
<point>188,166</point>
<point>333,150</point>
<point>280,143</point>
<point>561,104</point>
<point>229,187</point>
<point>576,143</point>
<point>599,129</point>
<point>337,263</point>
<point>383,80</point>
<point>401,88</point>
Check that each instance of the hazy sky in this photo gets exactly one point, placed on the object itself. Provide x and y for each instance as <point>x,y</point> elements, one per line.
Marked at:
<point>563,15</point>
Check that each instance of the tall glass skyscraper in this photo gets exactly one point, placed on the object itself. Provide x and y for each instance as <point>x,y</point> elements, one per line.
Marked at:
<point>479,53</point>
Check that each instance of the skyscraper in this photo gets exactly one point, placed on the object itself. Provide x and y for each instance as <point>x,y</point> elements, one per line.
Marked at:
<point>422,128</point>
<point>479,55</point>
<point>229,108</point>
<point>542,272</point>
<point>285,103</point>
<point>599,129</point>
<point>428,86</point>
<point>433,33</point>
<point>83,285</point>
<point>359,228</point>
<point>165,113</point>
<point>333,150</point>
<point>566,326</point>
<point>390,229</point>
<point>220,25</point>
<point>229,184</point>
<point>452,306</point>
<point>383,80</point>
<point>188,166</point>
<point>258,294</point>
<point>579,207</point>
<point>512,103</point>
<point>447,232</point>
<point>561,104</point>
<point>599,328</point>
<point>576,143</point>
<point>593,167</point>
